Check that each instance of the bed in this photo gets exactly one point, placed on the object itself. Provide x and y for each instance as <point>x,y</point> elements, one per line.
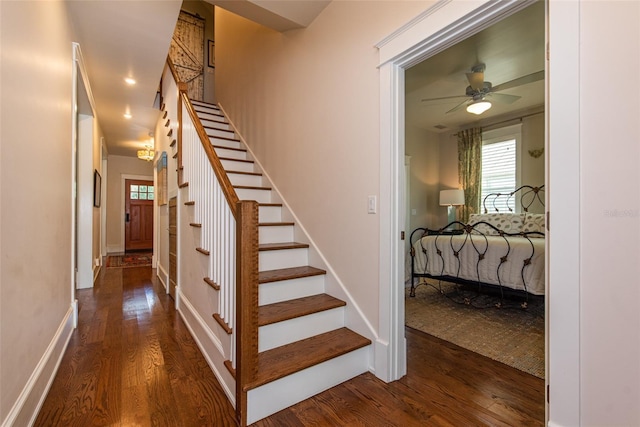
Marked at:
<point>498,252</point>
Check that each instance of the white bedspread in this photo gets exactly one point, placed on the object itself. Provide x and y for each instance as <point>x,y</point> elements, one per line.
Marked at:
<point>517,249</point>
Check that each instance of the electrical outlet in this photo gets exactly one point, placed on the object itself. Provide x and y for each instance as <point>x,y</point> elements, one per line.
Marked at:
<point>413,212</point>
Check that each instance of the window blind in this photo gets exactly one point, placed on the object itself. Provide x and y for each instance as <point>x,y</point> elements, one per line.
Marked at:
<point>498,172</point>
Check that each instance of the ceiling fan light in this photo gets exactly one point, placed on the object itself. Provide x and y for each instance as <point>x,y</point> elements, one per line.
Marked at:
<point>478,107</point>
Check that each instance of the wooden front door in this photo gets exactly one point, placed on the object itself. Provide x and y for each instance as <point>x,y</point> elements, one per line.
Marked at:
<point>138,223</point>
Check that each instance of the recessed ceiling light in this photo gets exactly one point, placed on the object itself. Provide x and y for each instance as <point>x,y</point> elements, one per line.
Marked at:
<point>130,81</point>
<point>127,116</point>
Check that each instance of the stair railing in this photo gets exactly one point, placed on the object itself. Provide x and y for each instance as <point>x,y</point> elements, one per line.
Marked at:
<point>229,233</point>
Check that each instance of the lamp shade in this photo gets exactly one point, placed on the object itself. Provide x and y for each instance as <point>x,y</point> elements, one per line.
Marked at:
<point>451,197</point>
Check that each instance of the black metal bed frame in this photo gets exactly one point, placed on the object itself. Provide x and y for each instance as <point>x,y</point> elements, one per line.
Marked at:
<point>528,195</point>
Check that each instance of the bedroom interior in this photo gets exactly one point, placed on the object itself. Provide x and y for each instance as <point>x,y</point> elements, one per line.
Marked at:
<point>502,64</point>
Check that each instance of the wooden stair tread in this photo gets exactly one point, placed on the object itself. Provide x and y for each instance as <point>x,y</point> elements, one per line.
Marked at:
<point>224,137</point>
<point>280,246</point>
<point>251,187</point>
<point>282,361</point>
<point>243,150</point>
<point>236,160</point>
<point>244,173</point>
<point>293,308</point>
<point>269,276</point>
<point>274,224</point>
<point>207,110</point>
<point>279,205</point>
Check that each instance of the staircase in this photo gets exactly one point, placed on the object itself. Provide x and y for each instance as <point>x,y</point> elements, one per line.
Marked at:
<point>303,344</point>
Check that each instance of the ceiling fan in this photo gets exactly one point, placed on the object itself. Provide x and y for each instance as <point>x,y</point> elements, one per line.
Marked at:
<point>479,92</point>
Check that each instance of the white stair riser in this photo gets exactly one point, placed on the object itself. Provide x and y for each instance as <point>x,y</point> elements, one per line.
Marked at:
<point>284,290</point>
<point>215,124</point>
<point>221,133</point>
<point>231,154</point>
<point>225,142</point>
<point>269,213</point>
<point>242,179</point>
<point>260,196</point>
<point>275,234</point>
<point>237,166</point>
<point>284,258</point>
<point>277,395</point>
<point>213,117</point>
<point>282,333</point>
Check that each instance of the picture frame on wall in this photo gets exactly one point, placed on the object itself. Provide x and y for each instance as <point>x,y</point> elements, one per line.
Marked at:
<point>97,188</point>
<point>211,54</point>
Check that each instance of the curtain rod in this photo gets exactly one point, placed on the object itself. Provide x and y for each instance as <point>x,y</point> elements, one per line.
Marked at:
<point>505,121</point>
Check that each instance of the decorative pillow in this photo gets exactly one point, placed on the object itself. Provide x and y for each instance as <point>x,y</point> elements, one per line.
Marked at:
<point>507,222</point>
<point>534,222</point>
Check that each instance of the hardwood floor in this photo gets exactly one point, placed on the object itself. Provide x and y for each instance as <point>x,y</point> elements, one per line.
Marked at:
<point>132,362</point>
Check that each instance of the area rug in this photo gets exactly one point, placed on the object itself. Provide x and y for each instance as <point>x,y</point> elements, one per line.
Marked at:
<point>137,259</point>
<point>513,336</point>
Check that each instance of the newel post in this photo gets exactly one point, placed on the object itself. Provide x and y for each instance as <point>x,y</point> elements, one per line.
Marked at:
<point>246,302</point>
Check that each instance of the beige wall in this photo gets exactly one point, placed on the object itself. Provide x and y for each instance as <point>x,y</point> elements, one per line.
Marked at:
<point>117,167</point>
<point>424,148</point>
<point>609,214</point>
<point>35,196</point>
<point>163,144</point>
<point>307,103</point>
<point>532,139</point>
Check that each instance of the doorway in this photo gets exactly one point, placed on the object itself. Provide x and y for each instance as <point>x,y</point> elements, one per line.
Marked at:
<point>509,59</point>
<point>138,227</point>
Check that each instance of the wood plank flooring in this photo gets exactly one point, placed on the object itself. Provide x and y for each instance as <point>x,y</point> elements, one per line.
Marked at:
<point>132,362</point>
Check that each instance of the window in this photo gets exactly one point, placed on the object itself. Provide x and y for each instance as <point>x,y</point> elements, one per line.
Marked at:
<point>500,167</point>
<point>141,192</point>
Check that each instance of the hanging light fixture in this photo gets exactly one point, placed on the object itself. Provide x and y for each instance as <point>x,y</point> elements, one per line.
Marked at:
<point>478,106</point>
<point>147,154</point>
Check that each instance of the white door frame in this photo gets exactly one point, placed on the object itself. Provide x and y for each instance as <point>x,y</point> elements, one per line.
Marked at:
<point>439,27</point>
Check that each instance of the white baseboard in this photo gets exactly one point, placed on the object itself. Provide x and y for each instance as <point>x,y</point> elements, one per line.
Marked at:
<point>115,248</point>
<point>209,345</point>
<point>96,272</point>
<point>163,276</point>
<point>26,408</point>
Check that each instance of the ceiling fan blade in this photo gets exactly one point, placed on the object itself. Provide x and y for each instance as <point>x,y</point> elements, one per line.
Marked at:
<point>529,78</point>
<point>476,80</point>
<point>457,107</point>
<point>504,98</point>
<point>444,98</point>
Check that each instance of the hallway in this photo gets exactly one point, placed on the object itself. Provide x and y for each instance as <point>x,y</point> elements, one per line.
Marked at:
<point>132,362</point>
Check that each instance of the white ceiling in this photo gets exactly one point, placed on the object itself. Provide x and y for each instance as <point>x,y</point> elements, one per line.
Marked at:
<point>511,48</point>
<point>121,39</point>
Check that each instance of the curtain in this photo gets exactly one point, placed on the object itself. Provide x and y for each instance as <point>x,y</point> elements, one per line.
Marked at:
<point>470,170</point>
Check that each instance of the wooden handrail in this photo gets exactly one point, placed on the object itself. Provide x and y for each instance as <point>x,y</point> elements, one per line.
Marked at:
<point>216,164</point>
<point>172,68</point>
